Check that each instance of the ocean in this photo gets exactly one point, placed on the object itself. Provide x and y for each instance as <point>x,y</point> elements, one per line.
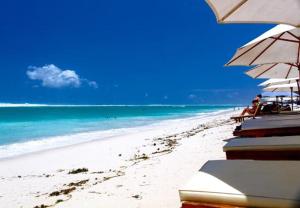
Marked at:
<point>29,128</point>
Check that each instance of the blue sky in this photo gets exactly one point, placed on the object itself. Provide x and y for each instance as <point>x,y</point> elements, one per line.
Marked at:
<point>120,52</point>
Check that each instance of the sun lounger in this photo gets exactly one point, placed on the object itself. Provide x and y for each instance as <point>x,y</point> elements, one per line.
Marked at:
<point>239,119</point>
<point>242,118</point>
<point>276,117</point>
<point>266,117</point>
<point>290,112</point>
<point>265,148</point>
<point>264,128</point>
<point>259,114</point>
<point>243,183</point>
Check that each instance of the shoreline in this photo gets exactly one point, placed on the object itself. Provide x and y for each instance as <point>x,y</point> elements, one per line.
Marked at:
<point>43,178</point>
<point>100,135</point>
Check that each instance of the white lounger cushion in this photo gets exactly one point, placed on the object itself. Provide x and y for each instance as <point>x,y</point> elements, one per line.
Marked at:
<point>270,124</point>
<point>278,117</point>
<point>269,184</point>
<point>264,143</point>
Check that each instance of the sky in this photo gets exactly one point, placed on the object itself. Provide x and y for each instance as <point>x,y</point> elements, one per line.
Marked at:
<point>121,52</point>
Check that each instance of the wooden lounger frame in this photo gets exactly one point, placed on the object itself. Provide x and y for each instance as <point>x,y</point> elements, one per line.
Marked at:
<point>242,118</point>
<point>239,119</point>
<point>263,155</point>
<point>285,131</point>
<point>202,205</point>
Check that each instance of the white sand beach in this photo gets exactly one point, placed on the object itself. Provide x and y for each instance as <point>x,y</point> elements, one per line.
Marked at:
<point>142,169</point>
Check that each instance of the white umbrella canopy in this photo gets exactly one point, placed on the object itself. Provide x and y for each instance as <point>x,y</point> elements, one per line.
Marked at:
<point>274,71</point>
<point>278,45</point>
<point>257,11</point>
<point>269,96</point>
<point>282,88</point>
<point>271,82</point>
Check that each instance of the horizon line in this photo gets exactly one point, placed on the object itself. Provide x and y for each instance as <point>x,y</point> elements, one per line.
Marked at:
<point>103,105</point>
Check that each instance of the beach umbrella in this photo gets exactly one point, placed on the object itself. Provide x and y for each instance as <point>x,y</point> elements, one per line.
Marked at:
<point>278,45</point>
<point>273,96</point>
<point>270,95</point>
<point>282,88</point>
<point>257,11</point>
<point>288,72</point>
<point>277,52</point>
<point>274,71</point>
<point>271,82</point>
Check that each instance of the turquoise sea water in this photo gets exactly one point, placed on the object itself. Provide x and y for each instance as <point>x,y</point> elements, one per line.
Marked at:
<point>19,125</point>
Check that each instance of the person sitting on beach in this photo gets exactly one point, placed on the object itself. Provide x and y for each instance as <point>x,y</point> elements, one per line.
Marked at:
<point>255,104</point>
<point>258,98</point>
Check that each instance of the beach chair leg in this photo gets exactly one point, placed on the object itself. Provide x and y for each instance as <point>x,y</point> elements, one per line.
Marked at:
<point>201,205</point>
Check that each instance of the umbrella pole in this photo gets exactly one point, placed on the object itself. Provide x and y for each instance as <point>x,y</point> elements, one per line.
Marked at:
<point>298,80</point>
<point>292,99</point>
<point>298,87</point>
<point>277,103</point>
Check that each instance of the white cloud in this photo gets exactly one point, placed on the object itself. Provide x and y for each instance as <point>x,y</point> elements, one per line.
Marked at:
<point>53,77</point>
<point>93,84</point>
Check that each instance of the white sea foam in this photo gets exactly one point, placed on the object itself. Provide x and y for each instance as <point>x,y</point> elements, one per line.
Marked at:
<point>47,143</point>
<point>42,144</point>
<point>103,105</point>
<point>20,105</point>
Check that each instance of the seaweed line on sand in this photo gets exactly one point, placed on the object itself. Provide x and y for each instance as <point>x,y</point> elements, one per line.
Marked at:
<point>52,205</point>
<point>163,145</point>
<point>167,144</point>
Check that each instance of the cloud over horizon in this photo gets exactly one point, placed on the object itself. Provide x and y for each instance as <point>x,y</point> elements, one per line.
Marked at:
<point>52,76</point>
